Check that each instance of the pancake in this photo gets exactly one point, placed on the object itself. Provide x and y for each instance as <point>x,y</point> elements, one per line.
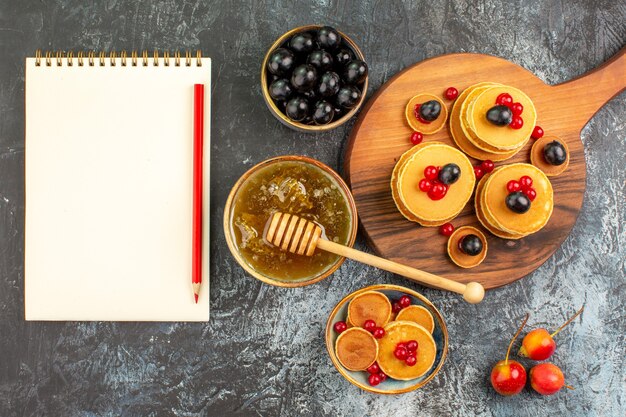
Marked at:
<point>419,315</point>
<point>369,305</point>
<point>356,349</point>
<point>425,128</point>
<point>538,160</point>
<point>403,331</point>
<point>480,214</point>
<point>458,256</point>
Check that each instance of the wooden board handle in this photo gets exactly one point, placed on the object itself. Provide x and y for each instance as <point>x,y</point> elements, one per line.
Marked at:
<point>582,97</point>
<point>472,292</point>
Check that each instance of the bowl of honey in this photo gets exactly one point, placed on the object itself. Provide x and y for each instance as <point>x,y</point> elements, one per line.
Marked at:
<point>296,185</point>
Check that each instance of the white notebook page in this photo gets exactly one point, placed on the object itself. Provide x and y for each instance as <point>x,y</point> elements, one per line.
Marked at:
<point>109,174</point>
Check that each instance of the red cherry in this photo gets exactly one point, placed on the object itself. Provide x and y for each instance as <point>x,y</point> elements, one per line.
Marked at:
<point>452,93</point>
<point>374,368</point>
<point>412,345</point>
<point>396,307</point>
<point>378,332</point>
<point>374,380</point>
<point>478,172</point>
<point>410,360</point>
<point>401,353</point>
<point>530,193</point>
<point>504,99</point>
<point>446,229</point>
<point>405,301</point>
<point>487,165</point>
<point>516,123</point>
<point>517,109</point>
<point>438,191</point>
<point>383,376</point>
<point>340,327</point>
<point>537,132</point>
<point>431,172</point>
<point>526,181</point>
<point>416,137</point>
<point>369,325</point>
<point>425,185</point>
<point>513,186</point>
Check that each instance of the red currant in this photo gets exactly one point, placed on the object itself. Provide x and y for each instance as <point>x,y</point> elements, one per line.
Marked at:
<point>401,344</point>
<point>410,360</point>
<point>383,376</point>
<point>396,307</point>
<point>374,380</point>
<point>374,368</point>
<point>516,123</point>
<point>487,165</point>
<point>504,99</point>
<point>431,172</point>
<point>513,186</point>
<point>425,185</point>
<point>416,113</point>
<point>530,193</point>
<point>478,172</point>
<point>340,327</point>
<point>517,109</point>
<point>412,345</point>
<point>438,191</point>
<point>405,301</point>
<point>416,137</point>
<point>401,353</point>
<point>537,132</point>
<point>378,332</point>
<point>452,93</point>
<point>369,325</point>
<point>526,181</point>
<point>446,229</point>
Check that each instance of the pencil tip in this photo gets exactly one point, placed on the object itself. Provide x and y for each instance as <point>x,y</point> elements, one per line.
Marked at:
<point>196,297</point>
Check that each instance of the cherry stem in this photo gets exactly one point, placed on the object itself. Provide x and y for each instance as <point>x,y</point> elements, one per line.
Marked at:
<point>568,321</point>
<point>506,359</point>
<point>569,387</point>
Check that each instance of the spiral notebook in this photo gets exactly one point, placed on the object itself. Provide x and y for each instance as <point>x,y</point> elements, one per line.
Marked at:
<point>109,146</point>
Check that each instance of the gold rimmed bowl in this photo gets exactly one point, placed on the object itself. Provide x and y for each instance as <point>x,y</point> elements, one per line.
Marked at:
<point>389,386</point>
<point>279,114</point>
<point>234,238</point>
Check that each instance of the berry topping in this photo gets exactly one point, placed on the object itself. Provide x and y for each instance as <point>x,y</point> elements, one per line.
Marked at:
<point>374,368</point>
<point>355,72</point>
<point>302,43</point>
<point>328,37</point>
<point>471,245</point>
<point>451,93</point>
<point>373,380</point>
<point>530,193</point>
<point>297,108</point>
<point>517,109</point>
<point>404,301</point>
<point>369,325</point>
<point>554,153</point>
<point>348,97</point>
<point>478,172</point>
<point>487,165</point>
<point>526,181</point>
<point>410,360</point>
<point>383,376</point>
<point>340,327</point>
<point>329,84</point>
<point>431,172</point>
<point>378,333</point>
<point>400,344</point>
<point>513,186</point>
<point>281,62</point>
<point>446,229</point>
<point>401,353</point>
<point>416,138</point>
<point>500,115</point>
<point>449,174</point>
<point>425,185</point>
<point>430,110</point>
<point>517,122</point>
<point>504,99</point>
<point>518,202</point>
<point>304,77</point>
<point>437,191</point>
<point>323,112</point>
<point>396,307</point>
<point>412,345</point>
<point>537,132</point>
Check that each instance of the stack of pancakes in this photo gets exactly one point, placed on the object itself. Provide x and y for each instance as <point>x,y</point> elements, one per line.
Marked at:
<point>478,137</point>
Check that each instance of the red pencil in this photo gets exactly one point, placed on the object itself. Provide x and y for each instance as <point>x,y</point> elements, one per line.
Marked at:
<point>198,139</point>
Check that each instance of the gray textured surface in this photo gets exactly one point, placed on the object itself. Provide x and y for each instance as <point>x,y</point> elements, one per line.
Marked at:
<point>263,352</point>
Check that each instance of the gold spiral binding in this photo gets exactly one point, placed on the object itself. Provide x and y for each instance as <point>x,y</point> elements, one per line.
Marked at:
<point>111,58</point>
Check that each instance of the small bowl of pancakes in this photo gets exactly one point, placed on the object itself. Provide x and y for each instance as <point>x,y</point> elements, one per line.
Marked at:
<point>357,349</point>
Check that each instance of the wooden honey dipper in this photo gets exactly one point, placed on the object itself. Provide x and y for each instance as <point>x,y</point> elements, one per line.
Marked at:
<point>300,236</point>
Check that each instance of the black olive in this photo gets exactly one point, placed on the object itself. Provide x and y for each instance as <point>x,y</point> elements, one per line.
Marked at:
<point>329,84</point>
<point>328,38</point>
<point>500,115</point>
<point>554,153</point>
<point>323,113</point>
<point>430,110</point>
<point>321,60</point>
<point>348,97</point>
<point>304,77</point>
<point>355,72</point>
<point>302,43</point>
<point>471,245</point>
<point>281,62</point>
<point>518,202</point>
<point>343,56</point>
<point>297,108</point>
<point>449,174</point>
<point>280,89</point>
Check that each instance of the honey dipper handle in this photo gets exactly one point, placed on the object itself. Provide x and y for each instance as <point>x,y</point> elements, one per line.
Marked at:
<point>472,292</point>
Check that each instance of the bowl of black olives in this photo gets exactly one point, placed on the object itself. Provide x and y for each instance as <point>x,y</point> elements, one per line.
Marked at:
<point>314,78</point>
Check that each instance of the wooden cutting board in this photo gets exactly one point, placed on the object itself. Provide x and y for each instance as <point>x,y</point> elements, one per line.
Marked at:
<point>381,135</point>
